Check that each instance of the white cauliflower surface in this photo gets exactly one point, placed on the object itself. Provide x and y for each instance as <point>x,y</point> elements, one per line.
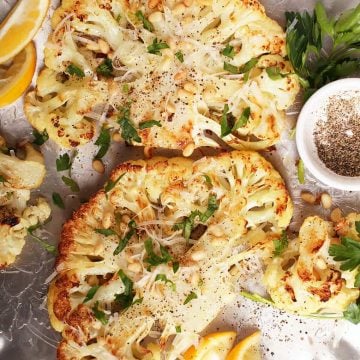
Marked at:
<point>213,66</point>
<point>152,252</point>
<point>17,178</point>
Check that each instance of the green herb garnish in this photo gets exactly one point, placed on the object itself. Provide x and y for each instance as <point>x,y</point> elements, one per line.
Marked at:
<point>48,247</point>
<point>105,68</point>
<point>111,184</point>
<point>40,137</point>
<point>190,297</point>
<point>180,56</point>
<point>352,313</point>
<point>207,180</point>
<point>274,73</point>
<point>178,329</point>
<point>231,68</point>
<point>175,266</point>
<point>154,259</point>
<point>123,241</point>
<point>2,179</point>
<point>228,51</point>
<point>348,252</point>
<point>146,23</point>
<point>103,141</point>
<point>243,119</point>
<point>106,232</point>
<point>63,162</point>
<point>57,200</point>
<point>72,184</point>
<point>73,70</point>
<point>128,130</point>
<point>125,88</point>
<point>100,315</point>
<point>91,293</point>
<point>225,128</point>
<point>125,299</point>
<point>148,124</point>
<point>301,172</point>
<point>248,65</point>
<point>162,277</point>
<point>280,244</point>
<point>156,46</point>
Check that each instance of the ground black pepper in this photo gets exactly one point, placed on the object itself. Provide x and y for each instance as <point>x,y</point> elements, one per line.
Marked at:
<point>338,139</point>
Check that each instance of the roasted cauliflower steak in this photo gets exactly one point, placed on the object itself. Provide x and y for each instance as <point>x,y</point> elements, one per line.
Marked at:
<point>213,67</point>
<point>151,253</point>
<point>17,178</point>
<point>305,279</point>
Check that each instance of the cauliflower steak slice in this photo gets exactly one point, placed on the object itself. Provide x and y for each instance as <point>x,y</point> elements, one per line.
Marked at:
<point>151,253</point>
<point>214,66</point>
<point>17,178</point>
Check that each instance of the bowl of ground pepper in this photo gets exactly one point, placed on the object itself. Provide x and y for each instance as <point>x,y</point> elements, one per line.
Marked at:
<point>328,134</point>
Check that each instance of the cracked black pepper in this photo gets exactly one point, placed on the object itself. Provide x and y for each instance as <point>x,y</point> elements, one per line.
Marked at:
<point>338,139</point>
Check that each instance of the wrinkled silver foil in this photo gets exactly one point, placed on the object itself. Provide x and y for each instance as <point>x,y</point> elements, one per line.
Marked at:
<point>25,331</point>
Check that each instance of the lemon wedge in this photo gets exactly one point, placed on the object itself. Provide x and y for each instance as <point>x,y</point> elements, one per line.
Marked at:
<point>247,349</point>
<point>212,347</point>
<point>16,77</point>
<point>20,26</point>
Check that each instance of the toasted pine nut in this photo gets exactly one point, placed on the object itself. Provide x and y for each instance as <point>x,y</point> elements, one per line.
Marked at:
<point>217,241</point>
<point>117,137</point>
<point>187,3</point>
<point>107,219</point>
<point>181,75</point>
<point>184,95</point>
<point>135,267</point>
<point>326,200</point>
<point>189,149</point>
<point>217,231</point>
<point>321,264</point>
<point>153,3</point>
<point>98,166</point>
<point>104,46</point>
<point>92,280</point>
<point>198,255</point>
<point>179,9</point>
<point>156,17</point>
<point>308,197</point>
<point>148,152</point>
<point>170,108</point>
<point>336,215</point>
<point>93,46</point>
<point>190,87</point>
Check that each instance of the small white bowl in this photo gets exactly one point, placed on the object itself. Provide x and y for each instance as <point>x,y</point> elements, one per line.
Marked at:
<point>313,111</point>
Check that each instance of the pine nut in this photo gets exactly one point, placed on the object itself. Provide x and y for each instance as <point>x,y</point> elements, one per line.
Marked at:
<point>179,9</point>
<point>117,137</point>
<point>189,149</point>
<point>308,197</point>
<point>104,46</point>
<point>326,201</point>
<point>153,3</point>
<point>336,215</point>
<point>190,87</point>
<point>217,231</point>
<point>184,95</point>
<point>135,267</point>
<point>93,46</point>
<point>181,75</point>
<point>198,255</point>
<point>98,166</point>
<point>92,280</point>
<point>170,108</point>
<point>107,219</point>
<point>156,17</point>
<point>187,3</point>
<point>321,264</point>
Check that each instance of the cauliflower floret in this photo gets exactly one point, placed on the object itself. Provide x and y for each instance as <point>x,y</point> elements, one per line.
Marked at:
<point>18,177</point>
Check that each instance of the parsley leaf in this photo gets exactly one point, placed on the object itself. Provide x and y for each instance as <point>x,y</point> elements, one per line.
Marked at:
<point>125,299</point>
<point>73,70</point>
<point>274,73</point>
<point>72,184</point>
<point>225,128</point>
<point>231,68</point>
<point>207,180</point>
<point>248,65</point>
<point>63,162</point>
<point>243,119</point>
<point>106,232</point>
<point>40,137</point>
<point>91,293</point>
<point>357,279</point>
<point>125,88</point>
<point>178,329</point>
<point>103,141</point>
<point>146,23</point>
<point>149,124</point>
<point>154,259</point>
<point>57,200</point>
<point>105,68</point>
<point>280,244</point>
<point>111,184</point>
<point>2,179</point>
<point>180,56</point>
<point>48,247</point>
<point>175,266</point>
<point>301,172</point>
<point>123,242</point>
<point>100,315</point>
<point>228,51</point>
<point>353,313</point>
<point>348,252</point>
<point>156,46</point>
<point>357,227</point>
<point>211,208</point>
<point>128,131</point>
<point>190,297</point>
<point>162,277</point>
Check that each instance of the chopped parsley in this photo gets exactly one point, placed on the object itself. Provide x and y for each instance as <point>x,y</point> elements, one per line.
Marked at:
<point>63,162</point>
<point>231,68</point>
<point>149,124</point>
<point>357,279</point>
<point>180,56</point>
<point>2,179</point>
<point>100,315</point>
<point>208,180</point>
<point>111,184</point>
<point>224,123</point>
<point>146,23</point>
<point>243,119</point>
<point>352,313</point>
<point>248,65</point>
<point>125,88</point>
<point>91,293</point>
<point>73,70</point>
<point>301,172</point>
<point>103,141</point>
<point>48,247</point>
<point>106,232</point>
<point>348,252</point>
<point>274,73</point>
<point>125,299</point>
<point>105,68</point>
<point>175,266</point>
<point>178,329</point>
<point>228,51</point>
<point>72,184</point>
<point>156,46</point>
<point>40,137</point>
<point>190,297</point>
<point>123,241</point>
<point>280,244</point>
<point>57,200</point>
<point>357,227</point>
<point>153,259</point>
<point>128,130</point>
<point>162,277</point>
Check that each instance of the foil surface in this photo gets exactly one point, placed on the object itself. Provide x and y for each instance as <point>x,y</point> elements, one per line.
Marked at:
<point>25,331</point>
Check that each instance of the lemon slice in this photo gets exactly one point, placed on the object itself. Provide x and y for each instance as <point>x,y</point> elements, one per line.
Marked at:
<point>212,347</point>
<point>247,349</point>
<point>16,77</point>
<point>20,26</point>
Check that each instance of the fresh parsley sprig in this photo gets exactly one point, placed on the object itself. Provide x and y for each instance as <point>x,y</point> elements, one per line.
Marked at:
<point>57,200</point>
<point>162,277</point>
<point>74,70</point>
<point>63,162</point>
<point>48,247</point>
<point>111,184</point>
<point>128,130</point>
<point>99,314</point>
<point>228,51</point>
<point>123,241</point>
<point>148,124</point>
<point>146,23</point>
<point>280,244</point>
<point>152,258</point>
<point>105,68</point>
<point>190,297</point>
<point>352,313</point>
<point>91,293</point>
<point>156,46</point>
<point>40,137</point>
<point>103,141</point>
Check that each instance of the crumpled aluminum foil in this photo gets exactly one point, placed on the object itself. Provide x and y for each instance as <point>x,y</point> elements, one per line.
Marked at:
<point>25,332</point>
